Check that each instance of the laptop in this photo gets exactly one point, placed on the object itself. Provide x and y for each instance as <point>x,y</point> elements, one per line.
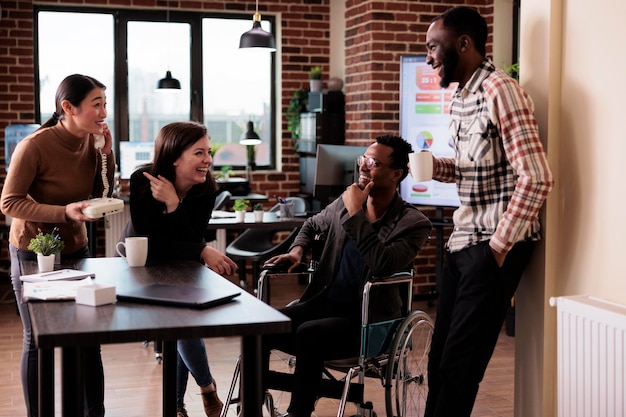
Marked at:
<point>180,296</point>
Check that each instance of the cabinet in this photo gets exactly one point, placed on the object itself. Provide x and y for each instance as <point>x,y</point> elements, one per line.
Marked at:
<point>325,122</point>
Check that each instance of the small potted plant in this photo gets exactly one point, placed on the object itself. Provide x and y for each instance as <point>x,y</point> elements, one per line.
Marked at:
<point>46,246</point>
<point>225,172</point>
<point>240,207</point>
<point>315,75</point>
<point>257,209</point>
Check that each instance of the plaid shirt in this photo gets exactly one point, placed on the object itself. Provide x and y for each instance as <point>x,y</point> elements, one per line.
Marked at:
<point>500,166</point>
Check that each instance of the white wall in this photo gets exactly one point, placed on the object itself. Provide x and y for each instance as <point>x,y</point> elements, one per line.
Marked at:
<point>593,150</point>
<point>338,39</point>
<point>502,33</point>
<point>571,57</point>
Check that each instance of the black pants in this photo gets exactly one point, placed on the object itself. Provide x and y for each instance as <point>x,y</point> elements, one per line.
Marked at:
<point>474,296</point>
<point>319,332</point>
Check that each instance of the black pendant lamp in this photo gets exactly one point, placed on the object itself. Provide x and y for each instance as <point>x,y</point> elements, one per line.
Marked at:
<point>250,137</point>
<point>168,83</point>
<point>257,37</point>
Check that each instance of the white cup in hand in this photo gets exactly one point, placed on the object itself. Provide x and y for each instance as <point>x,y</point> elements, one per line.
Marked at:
<point>135,249</point>
<point>421,166</point>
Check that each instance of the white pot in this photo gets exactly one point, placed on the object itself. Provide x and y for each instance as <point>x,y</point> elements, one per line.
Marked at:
<point>240,215</point>
<point>258,216</point>
<point>45,262</point>
<point>316,85</point>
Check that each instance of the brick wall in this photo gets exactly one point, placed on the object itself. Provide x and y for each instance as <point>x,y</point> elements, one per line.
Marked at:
<point>377,33</point>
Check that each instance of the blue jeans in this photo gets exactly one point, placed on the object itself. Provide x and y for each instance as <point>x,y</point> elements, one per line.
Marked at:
<point>94,384</point>
<point>191,358</point>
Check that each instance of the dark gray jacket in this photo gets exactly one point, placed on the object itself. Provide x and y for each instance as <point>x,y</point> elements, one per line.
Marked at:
<point>404,230</point>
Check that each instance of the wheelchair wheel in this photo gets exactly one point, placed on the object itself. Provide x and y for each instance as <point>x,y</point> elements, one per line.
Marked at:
<point>406,384</point>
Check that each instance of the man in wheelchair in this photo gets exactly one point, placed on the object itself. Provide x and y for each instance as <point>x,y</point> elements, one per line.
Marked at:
<point>370,232</point>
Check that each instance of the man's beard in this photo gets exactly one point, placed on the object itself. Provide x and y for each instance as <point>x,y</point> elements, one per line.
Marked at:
<point>450,62</point>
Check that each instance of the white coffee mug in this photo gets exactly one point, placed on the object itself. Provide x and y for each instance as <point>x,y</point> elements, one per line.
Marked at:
<point>421,166</point>
<point>136,250</point>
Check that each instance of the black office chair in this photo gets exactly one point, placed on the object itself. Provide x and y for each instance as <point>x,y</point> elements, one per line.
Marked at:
<point>258,246</point>
<point>221,201</point>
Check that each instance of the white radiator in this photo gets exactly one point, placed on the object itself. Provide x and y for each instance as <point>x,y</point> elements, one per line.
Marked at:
<point>591,357</point>
<point>117,223</point>
<point>114,229</point>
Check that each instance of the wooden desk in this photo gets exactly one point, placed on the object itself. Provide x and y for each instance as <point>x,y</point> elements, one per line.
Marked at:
<point>71,326</point>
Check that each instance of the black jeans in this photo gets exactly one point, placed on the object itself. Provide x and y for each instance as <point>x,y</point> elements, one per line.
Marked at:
<point>319,332</point>
<point>474,296</point>
<point>94,383</point>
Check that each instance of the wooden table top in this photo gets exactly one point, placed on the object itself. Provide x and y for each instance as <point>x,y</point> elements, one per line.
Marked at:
<point>65,323</point>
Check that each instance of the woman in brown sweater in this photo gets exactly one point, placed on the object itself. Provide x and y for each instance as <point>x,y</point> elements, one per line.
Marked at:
<point>52,172</point>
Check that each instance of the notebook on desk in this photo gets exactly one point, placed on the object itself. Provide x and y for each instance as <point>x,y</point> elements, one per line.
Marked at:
<point>180,296</point>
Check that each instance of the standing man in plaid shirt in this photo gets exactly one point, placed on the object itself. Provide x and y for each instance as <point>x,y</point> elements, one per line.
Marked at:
<point>502,178</point>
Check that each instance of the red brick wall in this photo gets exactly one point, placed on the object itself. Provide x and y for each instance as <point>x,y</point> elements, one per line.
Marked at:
<point>377,33</point>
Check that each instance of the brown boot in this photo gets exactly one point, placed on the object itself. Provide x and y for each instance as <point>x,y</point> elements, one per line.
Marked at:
<point>212,404</point>
<point>181,412</point>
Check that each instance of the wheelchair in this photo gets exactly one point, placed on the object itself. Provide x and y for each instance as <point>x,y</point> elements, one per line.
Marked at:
<point>394,351</point>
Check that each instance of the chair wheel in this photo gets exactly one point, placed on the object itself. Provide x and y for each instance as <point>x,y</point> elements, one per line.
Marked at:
<point>159,358</point>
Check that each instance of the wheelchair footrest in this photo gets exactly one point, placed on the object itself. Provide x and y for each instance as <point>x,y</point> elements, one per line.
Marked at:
<point>328,389</point>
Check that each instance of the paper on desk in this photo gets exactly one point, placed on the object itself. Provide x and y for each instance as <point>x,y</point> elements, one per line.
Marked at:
<point>52,290</point>
<point>61,274</point>
<point>222,214</point>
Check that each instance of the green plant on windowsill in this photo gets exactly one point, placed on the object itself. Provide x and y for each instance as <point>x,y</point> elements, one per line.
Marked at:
<point>257,207</point>
<point>47,243</point>
<point>241,204</point>
<point>224,173</point>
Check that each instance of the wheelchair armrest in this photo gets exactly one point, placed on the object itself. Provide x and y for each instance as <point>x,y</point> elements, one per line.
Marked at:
<point>275,271</point>
<point>397,277</point>
<point>282,267</point>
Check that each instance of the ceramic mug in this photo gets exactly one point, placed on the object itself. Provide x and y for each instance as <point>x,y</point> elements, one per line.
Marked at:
<point>135,250</point>
<point>421,166</point>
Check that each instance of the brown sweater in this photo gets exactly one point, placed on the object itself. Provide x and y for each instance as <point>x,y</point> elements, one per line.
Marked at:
<point>50,169</point>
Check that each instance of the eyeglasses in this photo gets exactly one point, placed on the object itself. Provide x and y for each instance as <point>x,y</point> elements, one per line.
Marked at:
<point>368,161</point>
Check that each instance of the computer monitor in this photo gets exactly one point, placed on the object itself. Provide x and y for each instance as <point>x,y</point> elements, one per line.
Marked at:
<point>13,134</point>
<point>424,123</point>
<point>335,169</point>
<point>133,155</point>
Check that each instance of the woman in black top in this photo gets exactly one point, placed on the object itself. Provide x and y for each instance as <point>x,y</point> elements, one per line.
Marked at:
<point>171,202</point>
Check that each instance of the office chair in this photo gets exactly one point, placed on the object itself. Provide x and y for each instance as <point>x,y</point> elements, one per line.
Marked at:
<point>257,245</point>
<point>221,200</point>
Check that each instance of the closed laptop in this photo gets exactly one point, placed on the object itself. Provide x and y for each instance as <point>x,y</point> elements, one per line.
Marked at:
<point>180,296</point>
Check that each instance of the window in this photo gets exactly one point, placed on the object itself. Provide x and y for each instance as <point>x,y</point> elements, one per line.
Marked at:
<point>88,51</point>
<point>130,50</point>
<point>169,49</point>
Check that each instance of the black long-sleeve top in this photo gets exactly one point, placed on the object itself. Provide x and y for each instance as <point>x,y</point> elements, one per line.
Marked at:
<point>176,235</point>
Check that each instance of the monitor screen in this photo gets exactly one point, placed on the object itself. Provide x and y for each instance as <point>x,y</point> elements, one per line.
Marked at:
<point>13,134</point>
<point>133,155</point>
<point>424,120</point>
<point>335,169</point>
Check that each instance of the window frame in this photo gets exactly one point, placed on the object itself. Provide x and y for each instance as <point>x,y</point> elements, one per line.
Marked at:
<point>120,87</point>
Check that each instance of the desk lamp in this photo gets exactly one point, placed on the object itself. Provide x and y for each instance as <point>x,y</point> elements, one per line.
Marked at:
<point>250,138</point>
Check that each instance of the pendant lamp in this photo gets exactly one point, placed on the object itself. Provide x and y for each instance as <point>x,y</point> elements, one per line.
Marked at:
<point>257,37</point>
<point>250,137</point>
<point>168,83</point>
